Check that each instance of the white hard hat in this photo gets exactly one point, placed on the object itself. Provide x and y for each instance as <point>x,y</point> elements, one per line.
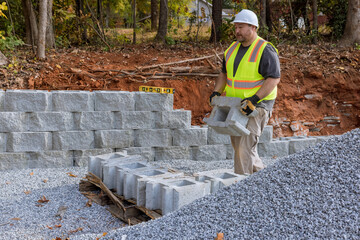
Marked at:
<point>246,16</point>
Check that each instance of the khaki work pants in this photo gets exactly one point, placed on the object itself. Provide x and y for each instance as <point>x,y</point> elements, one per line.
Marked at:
<point>246,158</point>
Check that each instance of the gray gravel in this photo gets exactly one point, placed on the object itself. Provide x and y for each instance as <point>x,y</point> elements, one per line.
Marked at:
<point>23,217</point>
<point>314,194</point>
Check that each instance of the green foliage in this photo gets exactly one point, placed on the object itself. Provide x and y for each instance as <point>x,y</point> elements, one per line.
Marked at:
<point>357,46</point>
<point>10,42</point>
<point>336,11</point>
<point>227,30</point>
<point>169,40</point>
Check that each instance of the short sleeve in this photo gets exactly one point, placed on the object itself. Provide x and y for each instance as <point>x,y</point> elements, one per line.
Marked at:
<point>269,63</point>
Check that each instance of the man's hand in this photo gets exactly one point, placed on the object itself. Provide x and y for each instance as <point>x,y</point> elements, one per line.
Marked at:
<point>213,95</point>
<point>249,104</point>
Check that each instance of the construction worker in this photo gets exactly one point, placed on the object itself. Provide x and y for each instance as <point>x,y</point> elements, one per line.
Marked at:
<point>251,71</point>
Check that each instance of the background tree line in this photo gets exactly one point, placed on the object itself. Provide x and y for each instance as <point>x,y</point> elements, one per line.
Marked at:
<point>57,23</point>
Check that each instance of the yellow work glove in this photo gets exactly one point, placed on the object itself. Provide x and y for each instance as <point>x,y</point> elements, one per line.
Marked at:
<point>249,104</point>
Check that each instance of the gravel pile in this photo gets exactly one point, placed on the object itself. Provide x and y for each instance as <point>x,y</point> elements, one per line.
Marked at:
<point>314,194</point>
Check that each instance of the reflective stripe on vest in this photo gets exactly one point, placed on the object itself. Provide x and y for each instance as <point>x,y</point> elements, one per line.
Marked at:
<point>255,52</point>
<point>230,51</point>
<point>238,84</point>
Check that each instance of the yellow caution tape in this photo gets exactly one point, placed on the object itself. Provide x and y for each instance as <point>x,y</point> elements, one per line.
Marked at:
<point>156,89</point>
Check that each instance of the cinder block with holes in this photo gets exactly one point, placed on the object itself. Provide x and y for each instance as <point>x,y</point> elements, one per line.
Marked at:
<point>96,162</point>
<point>226,118</point>
<point>219,178</point>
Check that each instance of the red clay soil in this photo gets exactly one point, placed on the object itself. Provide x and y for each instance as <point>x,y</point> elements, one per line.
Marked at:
<point>319,92</point>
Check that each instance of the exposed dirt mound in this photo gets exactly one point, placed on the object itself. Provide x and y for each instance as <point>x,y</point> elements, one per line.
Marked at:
<point>318,94</point>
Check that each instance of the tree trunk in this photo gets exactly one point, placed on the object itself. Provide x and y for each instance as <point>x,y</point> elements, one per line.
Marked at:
<point>352,28</point>
<point>32,23</point>
<point>50,37</point>
<point>134,20</point>
<point>268,16</point>
<point>315,21</point>
<point>108,12</point>
<point>154,14</point>
<point>28,39</point>
<point>82,27</point>
<point>216,21</point>
<point>42,28</point>
<point>163,21</point>
<point>263,14</point>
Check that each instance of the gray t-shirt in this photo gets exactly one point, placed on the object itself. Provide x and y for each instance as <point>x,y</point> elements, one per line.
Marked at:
<point>269,67</point>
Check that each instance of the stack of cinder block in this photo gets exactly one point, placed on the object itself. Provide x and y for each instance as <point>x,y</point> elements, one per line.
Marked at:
<point>63,128</point>
<point>155,188</point>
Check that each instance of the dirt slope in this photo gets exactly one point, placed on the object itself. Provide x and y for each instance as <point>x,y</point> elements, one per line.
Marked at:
<point>319,91</point>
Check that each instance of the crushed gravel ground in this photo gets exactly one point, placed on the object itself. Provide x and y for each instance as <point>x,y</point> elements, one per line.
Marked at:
<point>314,194</point>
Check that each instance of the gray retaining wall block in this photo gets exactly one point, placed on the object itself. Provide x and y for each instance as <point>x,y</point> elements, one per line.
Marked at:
<point>114,101</point>
<point>10,161</point>
<point>28,141</point>
<point>273,149</point>
<point>209,153</point>
<point>229,151</point>
<point>12,121</point>
<point>217,138</point>
<point>81,157</point>
<point>153,138</point>
<point>130,184</point>
<point>50,121</point>
<point>27,101</point>
<point>113,138</point>
<point>267,134</point>
<point>51,159</point>
<point>299,144</point>
<point>73,140</point>
<point>148,153</point>
<point>134,120</point>
<point>96,162</point>
<point>177,119</point>
<point>156,102</point>
<point>113,167</point>
<point>172,152</point>
<point>2,97</point>
<point>182,192</point>
<point>190,137</point>
<point>3,142</point>
<point>72,101</point>
<point>97,120</point>
<point>219,178</point>
<point>226,118</point>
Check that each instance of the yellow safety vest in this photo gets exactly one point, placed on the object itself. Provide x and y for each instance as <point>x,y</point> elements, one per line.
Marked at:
<point>247,80</point>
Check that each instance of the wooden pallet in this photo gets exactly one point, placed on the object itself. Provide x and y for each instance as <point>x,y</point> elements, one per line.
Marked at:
<point>126,210</point>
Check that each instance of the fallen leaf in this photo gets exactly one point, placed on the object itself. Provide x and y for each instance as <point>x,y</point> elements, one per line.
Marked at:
<point>89,203</point>
<point>39,205</point>
<point>43,200</point>
<point>76,230</point>
<point>58,226</point>
<point>7,182</point>
<point>104,234</point>
<point>27,192</point>
<point>32,173</point>
<point>58,66</point>
<point>16,219</point>
<point>70,174</point>
<point>49,227</point>
<point>45,180</point>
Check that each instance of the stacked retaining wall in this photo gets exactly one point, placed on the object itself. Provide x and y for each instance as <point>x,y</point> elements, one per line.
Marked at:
<point>63,128</point>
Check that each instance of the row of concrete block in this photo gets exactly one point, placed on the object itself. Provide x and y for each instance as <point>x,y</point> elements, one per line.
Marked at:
<point>65,158</point>
<point>78,101</point>
<point>154,188</point>
<point>94,120</point>
<point>78,140</point>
